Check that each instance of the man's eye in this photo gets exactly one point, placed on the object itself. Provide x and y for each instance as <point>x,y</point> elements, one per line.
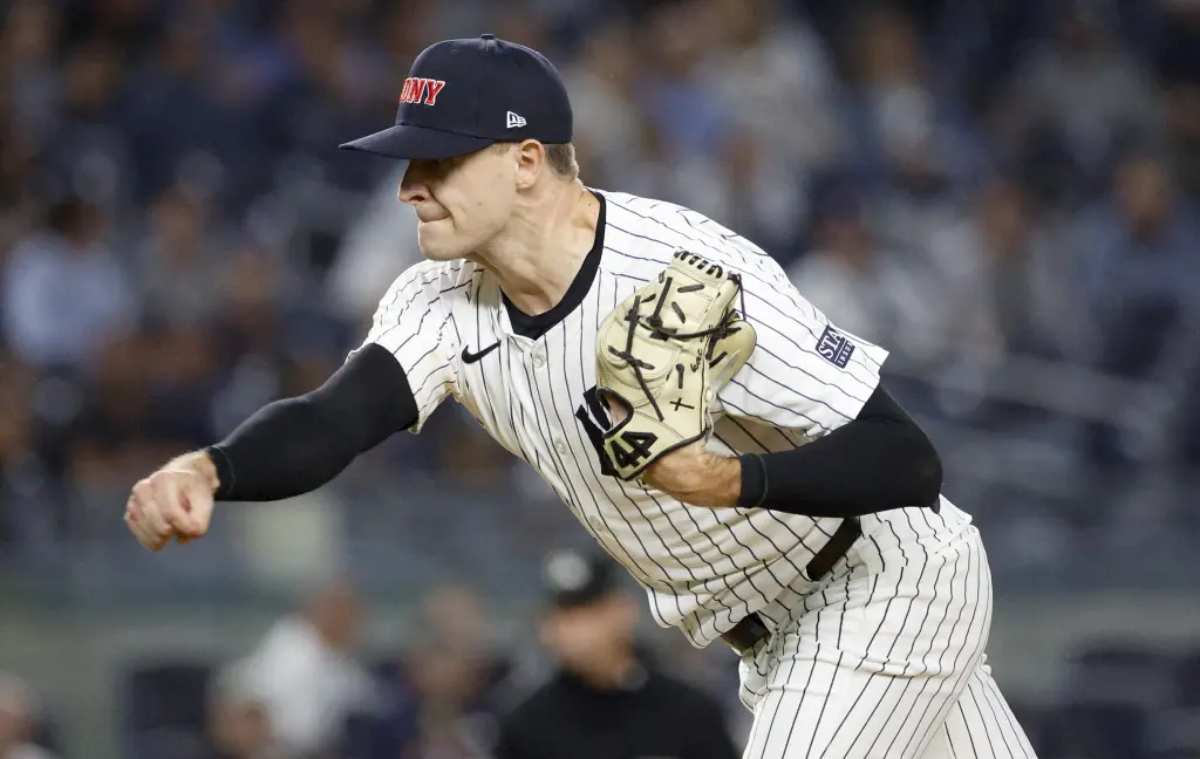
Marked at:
<point>446,165</point>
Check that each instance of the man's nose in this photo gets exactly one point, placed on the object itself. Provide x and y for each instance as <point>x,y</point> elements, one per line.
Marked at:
<point>413,187</point>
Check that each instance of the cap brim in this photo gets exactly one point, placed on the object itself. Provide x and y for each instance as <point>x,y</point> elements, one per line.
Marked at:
<point>406,141</point>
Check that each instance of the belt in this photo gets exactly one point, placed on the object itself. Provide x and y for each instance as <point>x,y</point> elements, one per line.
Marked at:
<point>751,629</point>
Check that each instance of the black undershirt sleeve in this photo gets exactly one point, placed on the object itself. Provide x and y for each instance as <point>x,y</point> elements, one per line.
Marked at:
<point>296,445</point>
<point>880,460</point>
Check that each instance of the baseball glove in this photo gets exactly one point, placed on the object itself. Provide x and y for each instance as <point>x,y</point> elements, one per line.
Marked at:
<point>662,355</point>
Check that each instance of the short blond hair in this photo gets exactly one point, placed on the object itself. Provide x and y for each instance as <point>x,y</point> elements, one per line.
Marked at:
<point>561,157</point>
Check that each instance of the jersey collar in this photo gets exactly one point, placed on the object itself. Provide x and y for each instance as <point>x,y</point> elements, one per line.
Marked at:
<point>534,327</point>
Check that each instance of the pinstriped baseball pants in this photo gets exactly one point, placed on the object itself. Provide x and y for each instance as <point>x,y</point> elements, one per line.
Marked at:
<point>885,660</point>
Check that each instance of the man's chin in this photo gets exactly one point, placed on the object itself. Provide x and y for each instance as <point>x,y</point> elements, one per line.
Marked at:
<point>431,250</point>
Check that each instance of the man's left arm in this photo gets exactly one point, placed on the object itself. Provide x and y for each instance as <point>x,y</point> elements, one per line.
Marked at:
<point>805,379</point>
<point>879,460</point>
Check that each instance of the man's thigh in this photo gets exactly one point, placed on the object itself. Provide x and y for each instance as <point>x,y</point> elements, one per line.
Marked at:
<point>980,725</point>
<point>830,709</point>
<point>874,672</point>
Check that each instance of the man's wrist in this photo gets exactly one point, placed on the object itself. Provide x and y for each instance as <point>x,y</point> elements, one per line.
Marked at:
<point>726,480</point>
<point>201,462</point>
<point>696,476</point>
<point>716,483</point>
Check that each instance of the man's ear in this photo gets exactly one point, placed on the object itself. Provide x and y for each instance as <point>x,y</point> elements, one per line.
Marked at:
<point>547,630</point>
<point>531,161</point>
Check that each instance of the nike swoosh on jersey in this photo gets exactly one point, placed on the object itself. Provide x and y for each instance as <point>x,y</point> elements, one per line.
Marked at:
<point>469,358</point>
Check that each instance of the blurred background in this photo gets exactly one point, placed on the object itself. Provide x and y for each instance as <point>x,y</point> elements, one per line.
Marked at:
<point>1002,193</point>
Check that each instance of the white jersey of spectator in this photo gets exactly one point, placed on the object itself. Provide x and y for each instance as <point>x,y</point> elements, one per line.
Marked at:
<point>375,242</point>
<point>29,751</point>
<point>917,578</point>
<point>308,687</point>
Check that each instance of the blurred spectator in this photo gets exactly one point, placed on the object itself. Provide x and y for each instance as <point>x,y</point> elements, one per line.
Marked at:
<point>65,295</point>
<point>305,674</point>
<point>87,147</point>
<point>863,287</point>
<point>914,150</point>
<point>773,70</point>
<point>686,125</point>
<point>1083,92</point>
<point>1142,278</point>
<point>328,86</point>
<point>606,699</point>
<point>1014,287</point>
<point>18,713</point>
<point>18,206</point>
<point>672,90</point>
<point>30,85</point>
<point>28,41</point>
<point>180,272</point>
<point>170,109</point>
<point>602,84</point>
<point>1140,268</point>
<point>1179,71</point>
<point>28,516</point>
<point>378,245</point>
<point>455,672</point>
<point>442,697</point>
<point>239,723</point>
<point>247,334</point>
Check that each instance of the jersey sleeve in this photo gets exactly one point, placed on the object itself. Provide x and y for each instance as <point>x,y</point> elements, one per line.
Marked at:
<point>413,323</point>
<point>805,373</point>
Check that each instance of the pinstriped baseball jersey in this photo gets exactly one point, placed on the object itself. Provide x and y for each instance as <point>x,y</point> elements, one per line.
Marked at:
<point>449,326</point>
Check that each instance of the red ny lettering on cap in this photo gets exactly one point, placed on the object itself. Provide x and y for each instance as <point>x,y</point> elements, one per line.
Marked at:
<point>417,89</point>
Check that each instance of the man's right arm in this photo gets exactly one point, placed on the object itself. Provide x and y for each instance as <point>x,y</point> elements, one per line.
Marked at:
<point>296,445</point>
<point>287,448</point>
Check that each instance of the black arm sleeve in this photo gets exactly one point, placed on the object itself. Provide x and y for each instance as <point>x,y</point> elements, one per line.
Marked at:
<point>296,445</point>
<point>880,460</point>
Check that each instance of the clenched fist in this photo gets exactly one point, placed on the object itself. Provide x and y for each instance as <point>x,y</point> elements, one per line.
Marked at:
<point>174,502</point>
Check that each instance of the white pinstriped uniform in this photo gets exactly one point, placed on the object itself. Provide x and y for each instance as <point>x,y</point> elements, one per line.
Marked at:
<point>881,657</point>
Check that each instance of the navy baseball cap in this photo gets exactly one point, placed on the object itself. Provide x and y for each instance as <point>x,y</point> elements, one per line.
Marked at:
<point>463,95</point>
<point>573,579</point>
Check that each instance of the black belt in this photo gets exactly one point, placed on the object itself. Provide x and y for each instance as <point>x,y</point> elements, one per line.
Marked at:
<point>750,629</point>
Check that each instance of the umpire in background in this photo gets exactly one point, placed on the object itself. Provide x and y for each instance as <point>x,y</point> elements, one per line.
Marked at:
<point>605,700</point>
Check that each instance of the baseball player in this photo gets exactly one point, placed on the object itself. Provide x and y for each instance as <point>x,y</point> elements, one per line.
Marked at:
<point>708,426</point>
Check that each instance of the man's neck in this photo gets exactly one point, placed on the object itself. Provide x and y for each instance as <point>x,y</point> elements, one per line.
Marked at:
<point>545,246</point>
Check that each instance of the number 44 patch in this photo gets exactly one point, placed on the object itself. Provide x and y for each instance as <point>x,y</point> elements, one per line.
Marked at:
<point>637,446</point>
<point>629,448</point>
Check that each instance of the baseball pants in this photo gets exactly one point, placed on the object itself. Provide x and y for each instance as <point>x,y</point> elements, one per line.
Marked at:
<point>886,660</point>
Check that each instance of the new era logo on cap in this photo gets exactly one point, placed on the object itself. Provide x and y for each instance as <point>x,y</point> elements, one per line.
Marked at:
<point>515,120</point>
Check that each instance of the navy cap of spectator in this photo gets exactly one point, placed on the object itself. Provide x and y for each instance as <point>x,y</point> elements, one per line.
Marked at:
<point>463,95</point>
<point>574,579</point>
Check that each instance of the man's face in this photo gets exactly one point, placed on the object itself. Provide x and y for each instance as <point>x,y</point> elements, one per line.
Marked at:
<point>578,634</point>
<point>461,203</point>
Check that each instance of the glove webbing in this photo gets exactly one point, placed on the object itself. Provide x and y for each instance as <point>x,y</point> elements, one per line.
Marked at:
<point>720,330</point>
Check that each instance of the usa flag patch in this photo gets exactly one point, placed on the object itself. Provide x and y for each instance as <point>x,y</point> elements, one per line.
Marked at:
<point>835,347</point>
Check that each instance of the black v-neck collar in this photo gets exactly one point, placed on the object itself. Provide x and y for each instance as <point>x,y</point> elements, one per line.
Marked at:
<point>534,327</point>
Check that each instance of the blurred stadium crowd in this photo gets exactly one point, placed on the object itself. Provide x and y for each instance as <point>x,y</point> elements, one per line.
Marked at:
<point>1002,193</point>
